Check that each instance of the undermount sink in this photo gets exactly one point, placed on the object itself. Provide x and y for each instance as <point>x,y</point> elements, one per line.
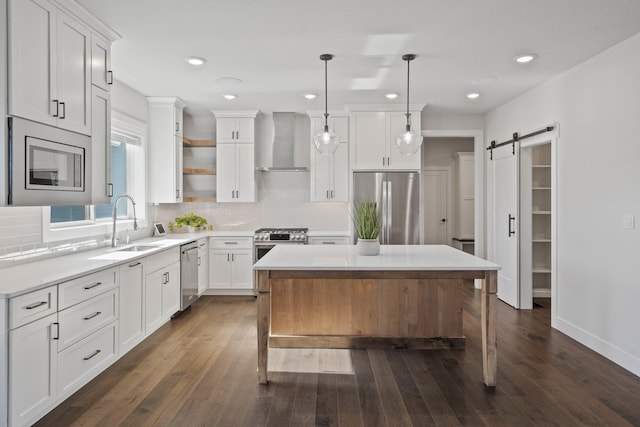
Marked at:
<point>136,248</point>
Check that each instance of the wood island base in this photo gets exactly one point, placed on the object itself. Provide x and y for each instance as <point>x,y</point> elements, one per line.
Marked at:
<point>371,309</point>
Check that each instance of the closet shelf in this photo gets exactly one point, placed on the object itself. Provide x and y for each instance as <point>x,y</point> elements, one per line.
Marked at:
<point>200,199</point>
<point>541,212</point>
<point>541,166</point>
<point>541,270</point>
<point>198,142</point>
<point>198,171</point>
<point>542,240</point>
<point>541,188</point>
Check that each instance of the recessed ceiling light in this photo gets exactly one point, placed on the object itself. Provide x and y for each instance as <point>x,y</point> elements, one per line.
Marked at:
<point>194,60</point>
<point>310,95</point>
<point>523,59</point>
<point>229,96</point>
<point>473,95</point>
<point>391,95</point>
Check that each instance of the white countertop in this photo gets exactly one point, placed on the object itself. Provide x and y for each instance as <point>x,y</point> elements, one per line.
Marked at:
<point>391,257</point>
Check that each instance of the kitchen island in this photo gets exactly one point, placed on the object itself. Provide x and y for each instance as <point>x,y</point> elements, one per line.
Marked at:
<point>406,297</point>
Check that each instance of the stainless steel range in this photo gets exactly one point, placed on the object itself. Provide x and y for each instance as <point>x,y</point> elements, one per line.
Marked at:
<point>265,239</point>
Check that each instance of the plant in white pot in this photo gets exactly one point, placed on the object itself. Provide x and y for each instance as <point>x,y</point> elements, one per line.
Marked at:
<point>367,221</point>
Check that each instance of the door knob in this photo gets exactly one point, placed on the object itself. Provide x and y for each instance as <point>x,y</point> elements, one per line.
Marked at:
<point>443,220</point>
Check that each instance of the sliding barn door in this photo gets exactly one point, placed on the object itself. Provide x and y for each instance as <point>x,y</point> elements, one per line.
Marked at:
<point>505,166</point>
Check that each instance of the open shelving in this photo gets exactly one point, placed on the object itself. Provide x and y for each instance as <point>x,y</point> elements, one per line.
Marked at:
<point>541,219</point>
<point>199,170</point>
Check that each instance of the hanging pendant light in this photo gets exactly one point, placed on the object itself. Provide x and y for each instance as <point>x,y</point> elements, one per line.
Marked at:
<point>408,142</point>
<point>326,142</point>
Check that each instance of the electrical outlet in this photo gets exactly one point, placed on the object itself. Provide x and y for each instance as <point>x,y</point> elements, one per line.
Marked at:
<point>629,222</point>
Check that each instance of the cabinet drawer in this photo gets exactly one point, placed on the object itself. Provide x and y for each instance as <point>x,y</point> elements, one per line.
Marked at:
<point>85,287</point>
<point>230,242</point>
<point>81,320</point>
<point>81,362</point>
<point>161,260</point>
<point>32,306</point>
<point>333,240</point>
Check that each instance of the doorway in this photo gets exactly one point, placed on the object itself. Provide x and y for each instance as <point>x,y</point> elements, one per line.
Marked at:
<point>436,196</point>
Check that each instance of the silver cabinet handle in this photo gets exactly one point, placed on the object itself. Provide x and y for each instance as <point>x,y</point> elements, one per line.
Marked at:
<point>57,326</point>
<point>92,355</point>
<point>64,110</point>
<point>92,315</point>
<point>57,108</point>
<point>230,243</point>
<point>177,194</point>
<point>177,126</point>
<point>109,190</point>
<point>86,288</point>
<point>228,257</point>
<point>109,77</point>
<point>35,305</point>
<point>133,265</point>
<point>199,262</point>
<point>233,257</point>
<point>328,243</point>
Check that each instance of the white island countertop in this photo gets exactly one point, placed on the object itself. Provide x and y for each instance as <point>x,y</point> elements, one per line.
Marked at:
<point>391,257</point>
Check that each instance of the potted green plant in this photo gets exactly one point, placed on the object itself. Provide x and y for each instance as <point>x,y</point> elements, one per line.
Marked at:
<point>367,222</point>
<point>191,221</point>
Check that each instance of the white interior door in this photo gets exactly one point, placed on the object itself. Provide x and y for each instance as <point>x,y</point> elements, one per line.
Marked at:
<point>506,222</point>
<point>436,221</point>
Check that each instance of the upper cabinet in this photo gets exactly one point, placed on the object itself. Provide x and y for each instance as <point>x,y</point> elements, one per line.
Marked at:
<point>330,173</point>
<point>165,149</point>
<point>235,161</point>
<point>374,146</point>
<point>49,66</point>
<point>101,72</point>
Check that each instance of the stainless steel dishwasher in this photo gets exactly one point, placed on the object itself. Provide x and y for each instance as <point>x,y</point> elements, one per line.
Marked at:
<point>188,274</point>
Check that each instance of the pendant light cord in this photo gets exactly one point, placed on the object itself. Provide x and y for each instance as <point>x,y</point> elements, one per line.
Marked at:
<point>326,102</point>
<point>408,57</point>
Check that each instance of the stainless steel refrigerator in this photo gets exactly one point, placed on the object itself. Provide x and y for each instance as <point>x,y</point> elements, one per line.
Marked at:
<point>398,196</point>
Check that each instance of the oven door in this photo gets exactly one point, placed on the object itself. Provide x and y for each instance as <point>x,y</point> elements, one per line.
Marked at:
<point>261,250</point>
<point>47,166</point>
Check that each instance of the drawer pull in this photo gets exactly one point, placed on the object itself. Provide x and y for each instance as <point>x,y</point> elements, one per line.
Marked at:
<point>133,265</point>
<point>92,315</point>
<point>328,243</point>
<point>230,243</point>
<point>92,355</point>
<point>86,288</point>
<point>35,305</point>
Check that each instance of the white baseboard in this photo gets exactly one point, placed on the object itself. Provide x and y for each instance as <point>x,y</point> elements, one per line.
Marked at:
<point>606,349</point>
<point>542,293</point>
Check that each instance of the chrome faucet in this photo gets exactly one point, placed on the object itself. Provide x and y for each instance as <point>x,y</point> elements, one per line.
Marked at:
<point>115,211</point>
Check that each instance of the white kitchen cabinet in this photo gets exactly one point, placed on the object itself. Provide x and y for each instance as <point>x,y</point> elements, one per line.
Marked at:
<point>203,265</point>
<point>131,305</point>
<point>49,66</point>
<point>235,129</point>
<point>162,288</point>
<point>165,149</point>
<point>329,240</point>
<point>230,261</point>
<point>33,365</point>
<point>235,179</point>
<point>101,72</point>
<point>463,196</point>
<point>330,173</point>
<point>101,186</point>
<point>374,146</point>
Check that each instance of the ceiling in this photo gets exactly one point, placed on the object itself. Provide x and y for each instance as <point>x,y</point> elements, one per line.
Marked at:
<point>273,46</point>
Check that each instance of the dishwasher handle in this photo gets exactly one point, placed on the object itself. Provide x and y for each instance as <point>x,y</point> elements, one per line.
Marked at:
<point>190,252</point>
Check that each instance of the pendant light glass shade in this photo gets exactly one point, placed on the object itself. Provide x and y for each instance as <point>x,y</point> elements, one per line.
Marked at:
<point>326,142</point>
<point>408,142</point>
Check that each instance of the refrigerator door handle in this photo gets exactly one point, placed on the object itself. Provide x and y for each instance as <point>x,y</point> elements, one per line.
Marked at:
<point>389,211</point>
<point>383,232</point>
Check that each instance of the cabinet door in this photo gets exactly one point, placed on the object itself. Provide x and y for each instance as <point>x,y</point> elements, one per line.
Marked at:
<point>179,122</point>
<point>101,74</point>
<point>369,148</point>
<point>131,306</point>
<point>245,129</point>
<point>226,129</point>
<point>339,126</point>
<point>340,174</point>
<point>397,125</point>
<point>32,370</point>
<point>178,156</point>
<point>101,186</point>
<point>245,172</point>
<point>219,270</point>
<point>153,301</point>
<point>73,44</point>
<point>171,291</point>
<point>242,273</point>
<point>203,265</point>
<point>32,74</point>
<point>226,172</point>
<point>321,176</point>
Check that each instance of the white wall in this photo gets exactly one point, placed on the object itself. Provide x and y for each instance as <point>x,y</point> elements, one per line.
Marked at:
<point>440,151</point>
<point>128,101</point>
<point>450,121</point>
<point>597,106</point>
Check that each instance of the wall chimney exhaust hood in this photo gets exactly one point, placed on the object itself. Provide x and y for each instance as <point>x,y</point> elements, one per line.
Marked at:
<point>288,150</point>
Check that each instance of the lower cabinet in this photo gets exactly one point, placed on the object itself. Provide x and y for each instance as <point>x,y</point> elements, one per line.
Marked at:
<point>161,288</point>
<point>131,305</point>
<point>203,265</point>
<point>33,366</point>
<point>230,263</point>
<point>329,240</point>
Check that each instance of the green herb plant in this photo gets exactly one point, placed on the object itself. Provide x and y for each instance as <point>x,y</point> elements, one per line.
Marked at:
<point>192,220</point>
<point>366,219</point>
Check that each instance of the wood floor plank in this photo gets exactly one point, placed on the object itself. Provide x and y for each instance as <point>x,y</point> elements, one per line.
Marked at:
<point>200,370</point>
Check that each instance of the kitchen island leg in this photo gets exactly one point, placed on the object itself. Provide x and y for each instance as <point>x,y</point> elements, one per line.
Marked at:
<point>489,327</point>
<point>264,311</point>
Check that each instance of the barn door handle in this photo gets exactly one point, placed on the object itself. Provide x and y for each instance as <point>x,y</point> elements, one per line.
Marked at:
<point>511,218</point>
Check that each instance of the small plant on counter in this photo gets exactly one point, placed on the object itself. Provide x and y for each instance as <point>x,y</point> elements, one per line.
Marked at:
<point>190,220</point>
<point>366,219</point>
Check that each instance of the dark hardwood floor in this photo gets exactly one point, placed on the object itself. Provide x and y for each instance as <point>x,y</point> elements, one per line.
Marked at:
<point>200,370</point>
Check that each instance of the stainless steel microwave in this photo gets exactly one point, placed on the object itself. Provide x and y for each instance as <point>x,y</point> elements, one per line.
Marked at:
<point>47,165</point>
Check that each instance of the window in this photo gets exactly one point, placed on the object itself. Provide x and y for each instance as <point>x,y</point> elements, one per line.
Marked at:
<point>127,155</point>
